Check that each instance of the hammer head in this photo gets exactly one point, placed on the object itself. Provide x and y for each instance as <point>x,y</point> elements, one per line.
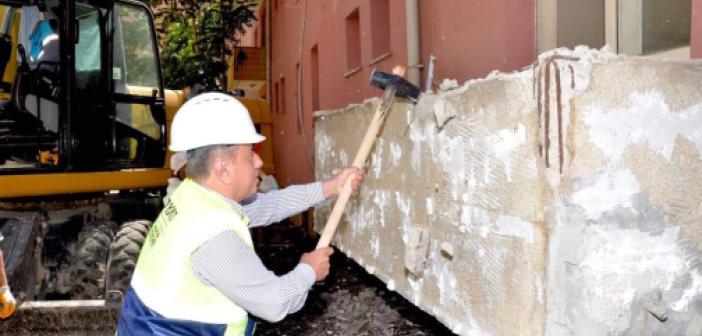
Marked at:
<point>403,88</point>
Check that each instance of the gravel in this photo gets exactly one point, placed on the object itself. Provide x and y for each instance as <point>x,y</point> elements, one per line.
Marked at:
<point>349,302</point>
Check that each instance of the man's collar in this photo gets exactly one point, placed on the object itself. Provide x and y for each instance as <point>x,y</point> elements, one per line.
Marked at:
<point>237,207</point>
<point>234,204</point>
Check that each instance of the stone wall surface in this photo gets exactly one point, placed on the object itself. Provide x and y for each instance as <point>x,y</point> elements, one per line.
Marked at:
<point>564,199</point>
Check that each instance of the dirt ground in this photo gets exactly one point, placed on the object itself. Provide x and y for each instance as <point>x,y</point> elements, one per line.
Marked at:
<point>349,302</point>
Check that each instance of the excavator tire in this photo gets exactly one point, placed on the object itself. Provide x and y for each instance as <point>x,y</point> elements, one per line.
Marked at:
<point>87,273</point>
<point>124,252</point>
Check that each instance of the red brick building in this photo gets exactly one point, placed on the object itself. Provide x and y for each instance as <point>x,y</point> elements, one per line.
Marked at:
<point>343,41</point>
<point>322,51</point>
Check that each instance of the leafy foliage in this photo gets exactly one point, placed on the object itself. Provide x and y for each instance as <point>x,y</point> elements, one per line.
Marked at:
<point>139,55</point>
<point>197,36</point>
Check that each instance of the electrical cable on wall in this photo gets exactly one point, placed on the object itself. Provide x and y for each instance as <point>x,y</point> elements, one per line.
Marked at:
<point>300,117</point>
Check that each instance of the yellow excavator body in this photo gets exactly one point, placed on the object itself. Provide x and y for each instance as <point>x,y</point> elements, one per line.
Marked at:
<point>78,191</point>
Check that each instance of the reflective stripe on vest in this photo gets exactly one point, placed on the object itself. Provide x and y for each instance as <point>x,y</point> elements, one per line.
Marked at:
<point>163,278</point>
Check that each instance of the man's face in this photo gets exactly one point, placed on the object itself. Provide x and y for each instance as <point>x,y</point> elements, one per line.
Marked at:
<point>245,167</point>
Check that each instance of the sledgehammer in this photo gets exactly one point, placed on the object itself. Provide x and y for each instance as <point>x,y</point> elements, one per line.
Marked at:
<point>394,86</point>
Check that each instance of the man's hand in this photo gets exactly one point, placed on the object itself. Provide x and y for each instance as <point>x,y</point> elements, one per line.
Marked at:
<point>8,303</point>
<point>332,187</point>
<point>319,260</point>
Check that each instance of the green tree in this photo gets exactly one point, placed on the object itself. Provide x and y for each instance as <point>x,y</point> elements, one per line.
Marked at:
<point>197,36</point>
<point>139,55</point>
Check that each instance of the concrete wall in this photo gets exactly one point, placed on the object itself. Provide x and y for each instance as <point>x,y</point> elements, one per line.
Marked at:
<point>624,234</point>
<point>469,37</point>
<point>560,200</point>
<point>441,224</point>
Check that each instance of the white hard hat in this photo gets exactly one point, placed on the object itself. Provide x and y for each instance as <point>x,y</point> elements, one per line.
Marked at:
<point>212,119</point>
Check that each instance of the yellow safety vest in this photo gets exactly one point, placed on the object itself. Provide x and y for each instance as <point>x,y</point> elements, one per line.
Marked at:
<point>163,278</point>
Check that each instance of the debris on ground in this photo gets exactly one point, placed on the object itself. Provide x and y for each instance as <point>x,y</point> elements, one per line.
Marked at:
<point>349,302</point>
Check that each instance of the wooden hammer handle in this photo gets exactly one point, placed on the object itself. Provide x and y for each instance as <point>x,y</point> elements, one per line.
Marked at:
<point>3,275</point>
<point>358,162</point>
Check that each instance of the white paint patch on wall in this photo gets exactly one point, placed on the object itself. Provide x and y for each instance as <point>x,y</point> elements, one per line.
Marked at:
<point>361,219</point>
<point>377,158</point>
<point>443,111</point>
<point>466,217</point>
<point>445,278</point>
<point>619,263</point>
<point>487,170</point>
<point>646,119</point>
<point>391,285</point>
<point>466,324</point>
<point>324,145</point>
<point>395,153</point>
<point>511,226</point>
<point>404,204</point>
<point>343,158</point>
<point>475,220</point>
<point>690,293</point>
<point>450,157</point>
<point>612,188</point>
<point>504,143</point>
<point>417,137</point>
<point>380,199</point>
<point>375,245</point>
<point>415,284</point>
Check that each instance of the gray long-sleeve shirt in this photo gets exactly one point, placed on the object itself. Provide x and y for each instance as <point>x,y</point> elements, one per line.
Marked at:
<point>228,264</point>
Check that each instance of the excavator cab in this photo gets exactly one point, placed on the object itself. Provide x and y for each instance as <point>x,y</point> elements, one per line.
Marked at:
<point>82,152</point>
<point>83,160</point>
<point>82,88</point>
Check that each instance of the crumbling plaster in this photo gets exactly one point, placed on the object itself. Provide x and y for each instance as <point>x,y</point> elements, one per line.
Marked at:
<point>564,199</point>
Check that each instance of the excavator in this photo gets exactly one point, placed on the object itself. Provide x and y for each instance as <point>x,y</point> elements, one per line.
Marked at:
<point>83,157</point>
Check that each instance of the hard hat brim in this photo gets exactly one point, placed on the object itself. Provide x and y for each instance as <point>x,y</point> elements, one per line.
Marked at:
<point>254,140</point>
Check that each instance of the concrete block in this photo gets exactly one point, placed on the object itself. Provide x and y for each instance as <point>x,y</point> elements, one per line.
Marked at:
<point>563,199</point>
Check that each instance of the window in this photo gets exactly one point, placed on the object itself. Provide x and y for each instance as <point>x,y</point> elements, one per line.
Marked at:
<point>651,27</point>
<point>314,76</point>
<point>380,27</point>
<point>659,28</point>
<point>116,118</point>
<point>135,68</point>
<point>87,51</point>
<point>261,29</point>
<point>581,22</point>
<point>353,41</point>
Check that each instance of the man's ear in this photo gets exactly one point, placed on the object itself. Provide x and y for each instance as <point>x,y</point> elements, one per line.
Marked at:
<point>222,171</point>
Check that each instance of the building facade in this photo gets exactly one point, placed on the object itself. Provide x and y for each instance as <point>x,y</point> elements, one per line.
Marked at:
<point>322,52</point>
